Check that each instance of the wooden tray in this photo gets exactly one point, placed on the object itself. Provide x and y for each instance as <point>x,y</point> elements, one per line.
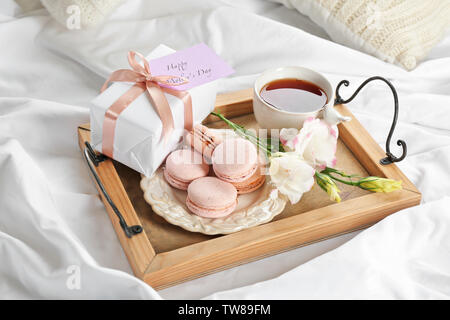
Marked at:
<point>164,255</point>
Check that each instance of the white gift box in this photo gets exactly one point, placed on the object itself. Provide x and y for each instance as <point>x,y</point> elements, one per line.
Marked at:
<point>137,140</point>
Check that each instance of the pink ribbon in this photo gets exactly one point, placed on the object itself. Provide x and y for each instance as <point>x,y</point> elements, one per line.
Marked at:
<point>144,81</point>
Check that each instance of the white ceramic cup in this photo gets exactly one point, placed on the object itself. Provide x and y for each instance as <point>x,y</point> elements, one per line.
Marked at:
<point>269,117</point>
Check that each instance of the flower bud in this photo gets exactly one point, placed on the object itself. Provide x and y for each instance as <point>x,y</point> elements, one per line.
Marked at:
<point>376,184</point>
<point>327,184</point>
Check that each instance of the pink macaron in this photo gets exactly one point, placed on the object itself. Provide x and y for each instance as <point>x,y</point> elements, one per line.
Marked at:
<point>203,140</point>
<point>183,166</point>
<point>235,160</point>
<point>210,197</point>
<point>251,184</point>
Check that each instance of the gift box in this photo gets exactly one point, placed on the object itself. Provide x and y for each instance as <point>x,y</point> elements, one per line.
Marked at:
<point>138,138</point>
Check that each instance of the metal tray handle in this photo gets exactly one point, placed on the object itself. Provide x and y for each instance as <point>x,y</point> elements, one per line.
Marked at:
<point>92,160</point>
<point>390,158</point>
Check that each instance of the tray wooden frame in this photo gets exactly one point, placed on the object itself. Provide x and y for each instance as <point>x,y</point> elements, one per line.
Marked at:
<point>169,268</point>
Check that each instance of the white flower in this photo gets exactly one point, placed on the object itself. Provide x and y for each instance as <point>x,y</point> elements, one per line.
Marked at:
<point>288,138</point>
<point>316,142</point>
<point>291,175</point>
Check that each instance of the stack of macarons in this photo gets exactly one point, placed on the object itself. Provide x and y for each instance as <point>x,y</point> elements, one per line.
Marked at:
<point>235,164</point>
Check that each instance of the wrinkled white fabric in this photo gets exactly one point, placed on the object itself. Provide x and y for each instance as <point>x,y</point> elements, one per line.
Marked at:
<point>51,217</point>
<point>384,262</point>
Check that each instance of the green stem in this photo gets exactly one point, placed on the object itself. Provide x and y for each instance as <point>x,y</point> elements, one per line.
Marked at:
<point>329,172</point>
<point>244,133</point>
<point>350,183</point>
<point>319,178</point>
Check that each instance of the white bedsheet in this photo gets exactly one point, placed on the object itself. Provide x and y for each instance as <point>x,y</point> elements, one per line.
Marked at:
<point>52,221</point>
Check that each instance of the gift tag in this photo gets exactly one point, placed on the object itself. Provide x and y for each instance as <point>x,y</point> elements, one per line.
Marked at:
<point>198,64</point>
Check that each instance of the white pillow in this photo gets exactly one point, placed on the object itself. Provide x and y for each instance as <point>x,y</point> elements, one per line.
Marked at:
<point>29,5</point>
<point>397,31</point>
<point>77,14</point>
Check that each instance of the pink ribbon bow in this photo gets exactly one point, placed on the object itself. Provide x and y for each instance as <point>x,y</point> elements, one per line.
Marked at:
<point>155,87</point>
